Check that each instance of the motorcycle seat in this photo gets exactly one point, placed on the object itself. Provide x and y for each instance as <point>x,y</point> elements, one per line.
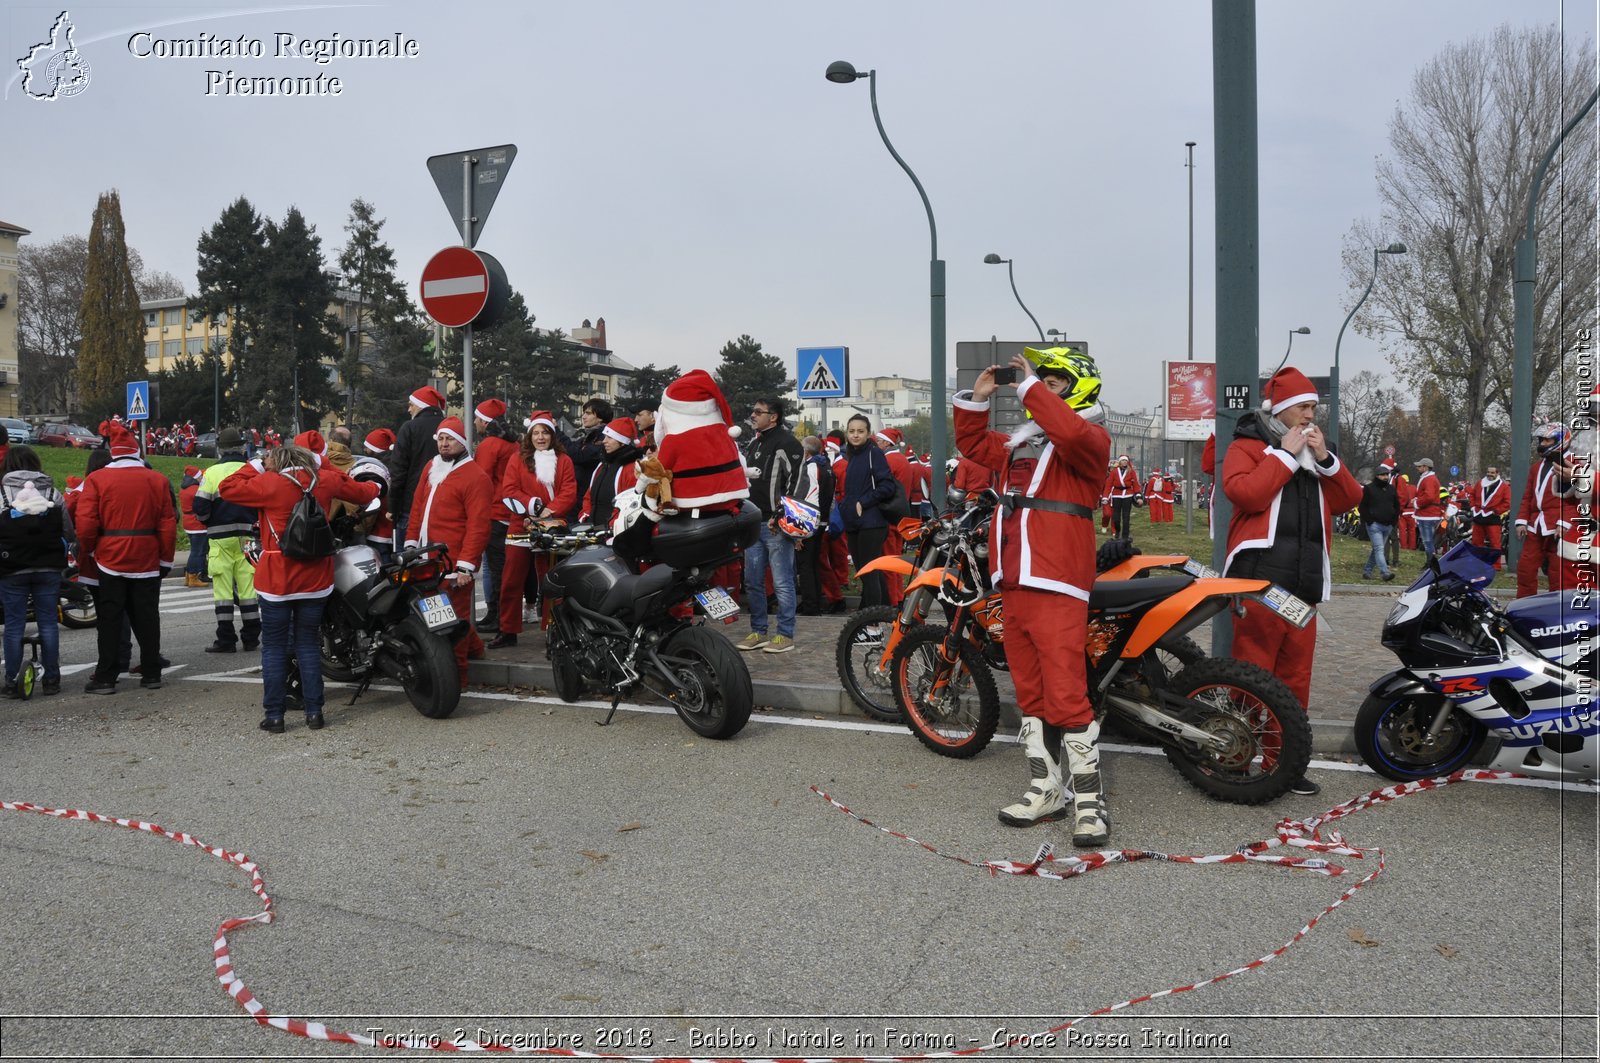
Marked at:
<point>1131,593</point>
<point>632,589</point>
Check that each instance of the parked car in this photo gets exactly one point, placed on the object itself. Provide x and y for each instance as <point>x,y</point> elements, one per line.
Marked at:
<point>68,435</point>
<point>17,430</point>
<point>205,445</point>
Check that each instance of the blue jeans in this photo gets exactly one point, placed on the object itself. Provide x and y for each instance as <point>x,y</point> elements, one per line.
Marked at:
<point>297,624</point>
<point>1378,534</point>
<point>196,565</point>
<point>1427,530</point>
<point>777,550</point>
<point>44,589</point>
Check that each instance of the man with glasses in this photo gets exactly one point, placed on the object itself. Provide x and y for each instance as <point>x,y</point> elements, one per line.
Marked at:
<point>774,459</point>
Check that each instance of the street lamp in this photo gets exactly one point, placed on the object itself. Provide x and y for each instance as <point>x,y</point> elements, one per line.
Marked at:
<point>994,260</point>
<point>1303,330</point>
<point>843,73</point>
<point>1333,385</point>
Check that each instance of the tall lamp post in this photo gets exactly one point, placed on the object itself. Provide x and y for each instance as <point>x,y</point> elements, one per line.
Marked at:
<point>992,259</point>
<point>843,73</point>
<point>1190,480</point>
<point>1333,385</point>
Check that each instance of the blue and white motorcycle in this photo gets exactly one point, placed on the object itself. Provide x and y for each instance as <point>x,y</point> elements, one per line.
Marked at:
<point>1510,689</point>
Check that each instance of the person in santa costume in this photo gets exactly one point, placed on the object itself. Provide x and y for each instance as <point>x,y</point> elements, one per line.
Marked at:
<point>1540,520</point>
<point>1043,560</point>
<point>1429,508</point>
<point>834,559</point>
<point>1488,502</point>
<point>1122,488</point>
<point>541,477</point>
<point>414,448</point>
<point>695,439</point>
<point>1285,484</point>
<point>293,592</point>
<point>1158,495</point>
<point>889,441</point>
<point>617,471</point>
<point>454,505</point>
<point>496,447</point>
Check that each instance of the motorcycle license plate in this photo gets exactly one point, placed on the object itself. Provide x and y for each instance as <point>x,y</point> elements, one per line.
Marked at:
<point>1286,605</point>
<point>436,612</point>
<point>717,603</point>
<point>1199,570</point>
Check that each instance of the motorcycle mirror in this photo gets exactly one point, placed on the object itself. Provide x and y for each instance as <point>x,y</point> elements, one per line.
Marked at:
<point>514,506</point>
<point>990,495</point>
<point>536,508</point>
<point>956,496</point>
<point>375,505</point>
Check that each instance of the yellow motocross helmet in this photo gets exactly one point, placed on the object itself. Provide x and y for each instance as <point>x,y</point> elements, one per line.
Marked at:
<point>1084,389</point>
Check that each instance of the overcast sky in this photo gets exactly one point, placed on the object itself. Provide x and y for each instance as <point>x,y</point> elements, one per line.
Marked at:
<point>686,172</point>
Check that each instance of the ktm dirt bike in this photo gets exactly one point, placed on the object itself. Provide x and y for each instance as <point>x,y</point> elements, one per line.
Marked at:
<point>1230,728</point>
<point>869,637</point>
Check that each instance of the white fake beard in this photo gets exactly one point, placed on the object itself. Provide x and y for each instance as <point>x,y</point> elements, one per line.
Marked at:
<point>544,467</point>
<point>438,469</point>
<point>1306,459</point>
<point>1024,434</point>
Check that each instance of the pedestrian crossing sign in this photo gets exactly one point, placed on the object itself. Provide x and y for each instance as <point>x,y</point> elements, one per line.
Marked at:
<point>138,400</point>
<point>823,372</point>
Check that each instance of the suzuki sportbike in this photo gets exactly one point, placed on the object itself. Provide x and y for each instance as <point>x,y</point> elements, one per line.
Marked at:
<point>615,628</point>
<point>1510,689</point>
<point>1233,730</point>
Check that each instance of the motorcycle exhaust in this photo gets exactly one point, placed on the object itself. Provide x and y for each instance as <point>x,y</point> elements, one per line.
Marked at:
<point>1157,720</point>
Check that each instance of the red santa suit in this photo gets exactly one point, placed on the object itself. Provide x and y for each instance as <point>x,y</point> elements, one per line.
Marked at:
<point>1428,507</point>
<point>552,480</point>
<point>1043,559</point>
<point>454,505</point>
<point>1267,537</point>
<point>971,477</point>
<point>1488,501</point>
<point>834,563</point>
<point>894,544</point>
<point>1542,513</point>
<point>695,436</point>
<point>1158,496</point>
<point>1408,512</point>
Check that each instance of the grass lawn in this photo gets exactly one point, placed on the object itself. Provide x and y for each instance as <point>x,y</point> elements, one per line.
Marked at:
<point>1349,555</point>
<point>61,462</point>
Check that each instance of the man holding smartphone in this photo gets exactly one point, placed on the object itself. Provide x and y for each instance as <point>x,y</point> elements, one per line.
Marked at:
<point>1043,558</point>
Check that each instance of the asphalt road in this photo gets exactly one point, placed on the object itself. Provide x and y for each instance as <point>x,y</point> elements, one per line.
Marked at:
<point>516,873</point>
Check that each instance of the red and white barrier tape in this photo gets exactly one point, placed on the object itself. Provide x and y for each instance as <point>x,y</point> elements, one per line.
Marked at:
<point>1303,834</point>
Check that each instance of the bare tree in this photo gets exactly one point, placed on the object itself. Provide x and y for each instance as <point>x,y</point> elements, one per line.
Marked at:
<point>1364,409</point>
<point>1455,191</point>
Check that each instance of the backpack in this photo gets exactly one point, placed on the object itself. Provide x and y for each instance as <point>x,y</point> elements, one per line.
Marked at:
<point>307,536</point>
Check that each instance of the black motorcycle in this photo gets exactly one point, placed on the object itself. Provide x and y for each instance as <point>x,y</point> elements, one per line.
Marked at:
<point>617,628</point>
<point>392,619</point>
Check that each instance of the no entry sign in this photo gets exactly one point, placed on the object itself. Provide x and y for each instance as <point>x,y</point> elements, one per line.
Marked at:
<point>455,286</point>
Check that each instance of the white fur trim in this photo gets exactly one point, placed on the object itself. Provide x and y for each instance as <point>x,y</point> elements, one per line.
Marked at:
<point>1024,433</point>
<point>619,437</point>
<point>453,435</point>
<point>677,415</point>
<point>1293,400</point>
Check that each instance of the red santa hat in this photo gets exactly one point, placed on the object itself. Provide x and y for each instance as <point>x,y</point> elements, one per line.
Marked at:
<point>312,440</point>
<point>490,409</point>
<point>452,427</point>
<point>695,434</point>
<point>123,444</point>
<point>425,396</point>
<point>191,471</point>
<point>1288,387</point>
<point>74,483</point>
<point>623,430</point>
<point>544,417</point>
<point>379,441</point>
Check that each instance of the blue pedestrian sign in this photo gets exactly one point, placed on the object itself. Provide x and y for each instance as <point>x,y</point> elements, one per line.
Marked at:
<point>138,400</point>
<point>823,372</point>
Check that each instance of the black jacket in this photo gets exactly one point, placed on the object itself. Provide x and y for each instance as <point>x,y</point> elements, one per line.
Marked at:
<point>414,447</point>
<point>869,481</point>
<point>587,451</point>
<point>1295,558</point>
<point>1380,503</point>
<point>774,458</point>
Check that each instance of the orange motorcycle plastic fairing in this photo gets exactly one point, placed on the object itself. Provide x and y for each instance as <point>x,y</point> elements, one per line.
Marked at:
<point>929,579</point>
<point>897,565</point>
<point>1135,565</point>
<point>1164,615</point>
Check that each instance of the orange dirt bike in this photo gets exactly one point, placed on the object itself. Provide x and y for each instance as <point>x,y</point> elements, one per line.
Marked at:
<point>869,637</point>
<point>1232,729</point>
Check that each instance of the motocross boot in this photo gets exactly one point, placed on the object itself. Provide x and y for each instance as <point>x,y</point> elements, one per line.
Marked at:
<point>1044,801</point>
<point>1091,826</point>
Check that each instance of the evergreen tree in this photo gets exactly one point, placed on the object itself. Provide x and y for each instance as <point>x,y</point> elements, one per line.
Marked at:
<point>648,382</point>
<point>555,382</point>
<point>230,255</point>
<point>502,358</point>
<point>294,334</point>
<point>187,390</point>
<point>366,267</point>
<point>112,330</point>
<point>748,374</point>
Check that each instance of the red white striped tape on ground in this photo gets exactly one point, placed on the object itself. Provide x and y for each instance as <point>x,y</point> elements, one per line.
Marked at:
<point>1302,834</point>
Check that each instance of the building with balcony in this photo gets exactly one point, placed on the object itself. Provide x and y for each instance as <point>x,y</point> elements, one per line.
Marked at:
<point>606,375</point>
<point>10,235</point>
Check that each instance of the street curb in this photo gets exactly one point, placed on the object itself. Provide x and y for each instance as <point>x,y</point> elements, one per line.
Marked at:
<point>1328,737</point>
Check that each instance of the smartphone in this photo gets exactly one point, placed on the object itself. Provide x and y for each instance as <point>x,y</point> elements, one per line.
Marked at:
<point>1006,374</point>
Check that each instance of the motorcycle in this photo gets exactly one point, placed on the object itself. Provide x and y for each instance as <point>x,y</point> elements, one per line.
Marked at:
<point>617,628</point>
<point>391,619</point>
<point>1231,729</point>
<point>870,636</point>
<point>1508,689</point>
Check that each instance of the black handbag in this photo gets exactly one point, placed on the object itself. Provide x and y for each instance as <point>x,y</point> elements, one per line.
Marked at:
<point>898,506</point>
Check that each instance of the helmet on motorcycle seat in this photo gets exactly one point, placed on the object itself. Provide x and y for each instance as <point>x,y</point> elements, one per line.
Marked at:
<point>1551,438</point>
<point>796,519</point>
<point>1079,370</point>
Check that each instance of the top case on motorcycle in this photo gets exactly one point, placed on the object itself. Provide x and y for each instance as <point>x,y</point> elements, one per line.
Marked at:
<point>687,541</point>
<point>600,581</point>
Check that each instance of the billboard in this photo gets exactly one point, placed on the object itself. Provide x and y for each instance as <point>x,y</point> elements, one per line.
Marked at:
<point>1191,407</point>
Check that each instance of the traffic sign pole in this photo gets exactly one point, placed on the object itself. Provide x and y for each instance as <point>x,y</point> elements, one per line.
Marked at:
<point>467,240</point>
